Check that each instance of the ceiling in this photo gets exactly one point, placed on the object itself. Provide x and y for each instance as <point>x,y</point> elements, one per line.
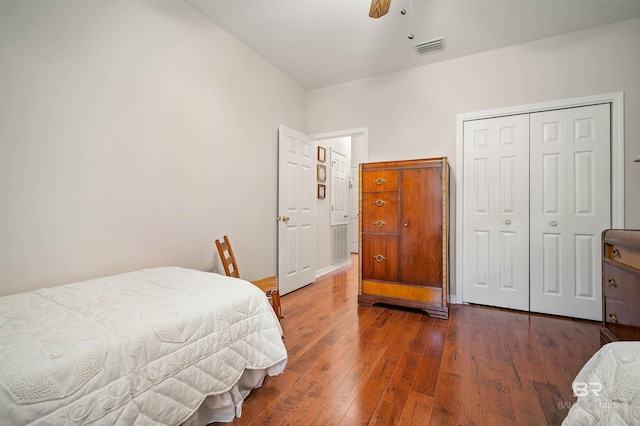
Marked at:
<point>320,43</point>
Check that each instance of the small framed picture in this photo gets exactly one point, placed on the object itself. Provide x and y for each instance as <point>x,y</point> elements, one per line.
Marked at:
<point>322,154</point>
<point>322,173</point>
<point>322,191</point>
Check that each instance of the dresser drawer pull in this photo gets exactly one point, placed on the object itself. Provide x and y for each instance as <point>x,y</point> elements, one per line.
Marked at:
<point>379,181</point>
<point>612,283</point>
<point>379,223</point>
<point>616,253</point>
<point>613,318</point>
<point>379,258</point>
<point>379,203</point>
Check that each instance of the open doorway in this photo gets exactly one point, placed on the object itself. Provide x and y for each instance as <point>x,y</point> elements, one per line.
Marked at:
<point>336,239</point>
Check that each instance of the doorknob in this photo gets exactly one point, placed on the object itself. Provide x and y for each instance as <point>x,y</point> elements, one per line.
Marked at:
<point>554,223</point>
<point>508,221</point>
<point>285,219</point>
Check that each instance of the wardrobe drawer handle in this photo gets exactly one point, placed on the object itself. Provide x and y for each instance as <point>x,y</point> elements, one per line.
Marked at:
<point>379,258</point>
<point>379,223</point>
<point>616,253</point>
<point>612,283</point>
<point>379,181</point>
<point>613,318</point>
<point>379,203</point>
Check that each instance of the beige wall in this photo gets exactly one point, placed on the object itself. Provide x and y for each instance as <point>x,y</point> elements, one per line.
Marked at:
<point>133,134</point>
<point>412,113</point>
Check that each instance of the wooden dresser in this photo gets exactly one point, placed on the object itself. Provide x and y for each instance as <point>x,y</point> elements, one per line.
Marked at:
<point>620,285</point>
<point>404,234</point>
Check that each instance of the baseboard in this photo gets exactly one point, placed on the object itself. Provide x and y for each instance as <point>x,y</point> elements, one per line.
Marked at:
<point>331,268</point>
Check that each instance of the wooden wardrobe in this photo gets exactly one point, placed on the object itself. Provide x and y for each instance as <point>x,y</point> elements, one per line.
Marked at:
<point>404,234</point>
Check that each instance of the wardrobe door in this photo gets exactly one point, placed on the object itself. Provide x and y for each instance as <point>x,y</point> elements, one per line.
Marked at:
<point>421,226</point>
<point>496,212</point>
<point>570,207</point>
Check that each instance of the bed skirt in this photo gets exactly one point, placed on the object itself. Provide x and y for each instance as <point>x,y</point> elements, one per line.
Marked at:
<point>225,407</point>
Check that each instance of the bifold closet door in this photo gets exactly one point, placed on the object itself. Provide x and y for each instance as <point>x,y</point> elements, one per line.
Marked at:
<point>570,207</point>
<point>496,212</point>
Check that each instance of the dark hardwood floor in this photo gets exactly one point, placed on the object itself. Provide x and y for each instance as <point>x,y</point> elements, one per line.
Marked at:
<point>353,365</point>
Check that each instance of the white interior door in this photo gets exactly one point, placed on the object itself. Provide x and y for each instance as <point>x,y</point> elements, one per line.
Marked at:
<point>496,212</point>
<point>353,211</point>
<point>296,210</point>
<point>570,207</point>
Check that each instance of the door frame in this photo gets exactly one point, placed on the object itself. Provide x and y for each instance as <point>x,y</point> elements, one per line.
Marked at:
<point>616,99</point>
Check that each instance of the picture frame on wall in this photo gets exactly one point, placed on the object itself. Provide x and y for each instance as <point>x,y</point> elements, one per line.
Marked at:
<point>322,154</point>
<point>322,173</point>
<point>322,191</point>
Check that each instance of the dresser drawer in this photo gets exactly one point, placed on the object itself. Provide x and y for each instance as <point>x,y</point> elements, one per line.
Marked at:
<point>621,286</point>
<point>624,324</point>
<point>380,223</point>
<point>380,257</point>
<point>379,180</point>
<point>380,202</point>
<point>619,249</point>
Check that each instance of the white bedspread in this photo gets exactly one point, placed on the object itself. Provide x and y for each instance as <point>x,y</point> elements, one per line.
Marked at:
<point>608,387</point>
<point>144,347</point>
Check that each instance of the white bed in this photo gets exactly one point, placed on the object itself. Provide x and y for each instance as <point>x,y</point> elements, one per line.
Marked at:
<point>608,387</point>
<point>157,346</point>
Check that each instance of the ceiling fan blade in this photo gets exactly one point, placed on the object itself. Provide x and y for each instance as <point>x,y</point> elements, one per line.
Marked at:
<point>379,8</point>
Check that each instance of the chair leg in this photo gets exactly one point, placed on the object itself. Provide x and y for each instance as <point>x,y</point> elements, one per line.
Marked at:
<point>276,304</point>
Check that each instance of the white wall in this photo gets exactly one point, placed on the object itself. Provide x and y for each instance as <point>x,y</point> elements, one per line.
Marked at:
<point>412,113</point>
<point>133,134</point>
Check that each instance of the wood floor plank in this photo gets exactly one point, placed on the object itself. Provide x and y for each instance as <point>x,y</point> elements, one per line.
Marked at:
<point>367,400</point>
<point>417,410</point>
<point>358,365</point>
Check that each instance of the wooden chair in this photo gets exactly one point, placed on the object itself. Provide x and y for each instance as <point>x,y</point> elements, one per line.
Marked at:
<point>269,285</point>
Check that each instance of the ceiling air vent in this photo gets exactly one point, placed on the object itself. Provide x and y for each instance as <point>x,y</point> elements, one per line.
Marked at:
<point>431,45</point>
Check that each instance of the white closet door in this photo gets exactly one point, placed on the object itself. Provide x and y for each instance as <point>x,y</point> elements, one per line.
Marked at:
<point>496,212</point>
<point>570,207</point>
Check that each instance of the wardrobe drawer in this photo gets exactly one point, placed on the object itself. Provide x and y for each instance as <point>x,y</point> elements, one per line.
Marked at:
<point>380,223</point>
<point>379,180</point>
<point>380,202</point>
<point>380,257</point>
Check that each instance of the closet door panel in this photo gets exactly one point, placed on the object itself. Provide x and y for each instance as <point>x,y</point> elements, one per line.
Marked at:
<point>496,212</point>
<point>570,204</point>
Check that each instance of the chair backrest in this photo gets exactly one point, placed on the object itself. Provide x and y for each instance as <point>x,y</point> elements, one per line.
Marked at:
<point>227,258</point>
